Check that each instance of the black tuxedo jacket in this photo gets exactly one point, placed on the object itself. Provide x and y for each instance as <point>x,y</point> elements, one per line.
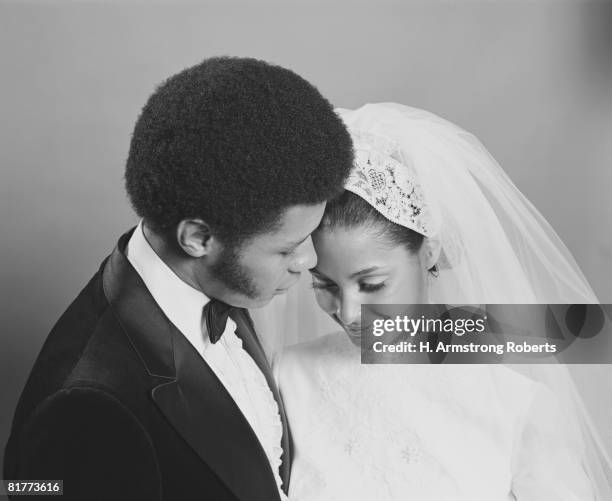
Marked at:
<point>120,406</point>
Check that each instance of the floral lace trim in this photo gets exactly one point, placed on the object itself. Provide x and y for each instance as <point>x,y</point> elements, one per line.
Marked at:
<point>381,143</point>
<point>382,180</point>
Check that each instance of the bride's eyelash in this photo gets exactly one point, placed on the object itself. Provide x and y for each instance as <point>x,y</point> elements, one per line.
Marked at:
<point>372,287</point>
<point>363,287</point>
<point>320,285</point>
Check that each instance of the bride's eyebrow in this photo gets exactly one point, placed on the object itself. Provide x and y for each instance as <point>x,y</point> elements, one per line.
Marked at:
<point>365,271</point>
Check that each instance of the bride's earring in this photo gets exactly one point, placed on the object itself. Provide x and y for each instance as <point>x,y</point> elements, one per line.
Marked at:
<point>432,274</point>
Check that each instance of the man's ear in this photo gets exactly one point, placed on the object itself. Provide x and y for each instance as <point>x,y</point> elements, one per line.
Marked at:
<point>194,236</point>
<point>430,252</point>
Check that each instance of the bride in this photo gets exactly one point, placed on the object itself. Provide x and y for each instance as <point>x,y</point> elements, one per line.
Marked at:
<point>429,217</point>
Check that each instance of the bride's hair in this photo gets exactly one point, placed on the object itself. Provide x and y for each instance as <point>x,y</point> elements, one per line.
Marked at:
<point>351,211</point>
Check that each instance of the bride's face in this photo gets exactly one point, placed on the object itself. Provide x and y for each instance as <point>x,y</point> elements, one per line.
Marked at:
<point>354,268</point>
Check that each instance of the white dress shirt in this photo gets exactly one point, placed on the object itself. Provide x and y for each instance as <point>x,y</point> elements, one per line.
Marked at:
<point>236,370</point>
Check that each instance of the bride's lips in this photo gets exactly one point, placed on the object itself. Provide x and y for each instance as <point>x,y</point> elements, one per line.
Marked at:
<point>355,331</point>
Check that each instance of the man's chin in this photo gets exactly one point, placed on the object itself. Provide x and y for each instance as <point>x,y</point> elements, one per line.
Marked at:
<point>262,300</point>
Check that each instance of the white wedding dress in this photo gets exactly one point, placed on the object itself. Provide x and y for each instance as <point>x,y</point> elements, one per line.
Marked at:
<point>443,432</point>
<point>423,432</point>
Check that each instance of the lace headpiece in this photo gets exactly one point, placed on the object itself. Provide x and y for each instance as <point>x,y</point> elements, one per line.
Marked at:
<point>387,184</point>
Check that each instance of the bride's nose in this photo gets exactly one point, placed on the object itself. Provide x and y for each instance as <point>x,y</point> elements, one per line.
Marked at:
<point>348,310</point>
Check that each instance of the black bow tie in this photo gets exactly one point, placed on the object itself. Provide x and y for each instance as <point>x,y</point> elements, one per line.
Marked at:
<point>216,313</point>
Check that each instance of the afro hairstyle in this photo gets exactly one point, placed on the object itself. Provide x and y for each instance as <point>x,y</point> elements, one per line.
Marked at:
<point>234,141</point>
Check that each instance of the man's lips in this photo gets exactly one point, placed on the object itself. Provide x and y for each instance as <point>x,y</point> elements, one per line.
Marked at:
<point>286,287</point>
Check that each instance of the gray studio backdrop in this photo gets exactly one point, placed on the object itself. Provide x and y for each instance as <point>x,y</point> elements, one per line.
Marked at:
<point>533,80</point>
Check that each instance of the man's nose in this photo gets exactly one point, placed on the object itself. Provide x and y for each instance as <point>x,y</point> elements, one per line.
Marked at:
<point>305,257</point>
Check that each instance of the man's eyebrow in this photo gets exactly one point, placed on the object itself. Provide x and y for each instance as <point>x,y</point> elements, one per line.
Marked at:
<point>365,271</point>
<point>295,244</point>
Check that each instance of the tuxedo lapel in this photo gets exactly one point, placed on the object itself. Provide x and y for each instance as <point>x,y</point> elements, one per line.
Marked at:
<point>246,331</point>
<point>203,412</point>
<point>185,389</point>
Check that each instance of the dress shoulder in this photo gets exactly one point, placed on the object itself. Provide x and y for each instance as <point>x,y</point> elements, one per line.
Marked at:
<point>317,346</point>
<point>300,361</point>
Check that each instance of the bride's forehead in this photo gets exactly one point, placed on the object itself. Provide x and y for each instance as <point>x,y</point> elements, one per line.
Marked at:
<point>355,248</point>
<point>355,238</point>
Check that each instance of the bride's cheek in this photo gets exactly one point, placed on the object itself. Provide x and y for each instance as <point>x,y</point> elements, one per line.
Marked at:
<point>324,300</point>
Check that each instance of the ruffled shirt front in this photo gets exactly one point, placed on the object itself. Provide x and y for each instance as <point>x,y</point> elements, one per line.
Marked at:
<point>236,370</point>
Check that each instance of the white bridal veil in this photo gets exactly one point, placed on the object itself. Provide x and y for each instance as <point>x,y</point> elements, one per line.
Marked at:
<point>496,248</point>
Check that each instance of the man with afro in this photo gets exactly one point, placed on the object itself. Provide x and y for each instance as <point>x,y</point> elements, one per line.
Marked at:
<point>153,384</point>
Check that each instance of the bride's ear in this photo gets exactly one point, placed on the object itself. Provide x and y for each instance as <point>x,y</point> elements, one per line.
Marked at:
<point>430,252</point>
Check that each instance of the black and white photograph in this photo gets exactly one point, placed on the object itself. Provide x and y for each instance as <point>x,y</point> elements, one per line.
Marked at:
<point>227,228</point>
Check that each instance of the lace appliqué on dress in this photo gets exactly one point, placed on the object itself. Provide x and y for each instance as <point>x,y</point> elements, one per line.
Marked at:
<point>369,443</point>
